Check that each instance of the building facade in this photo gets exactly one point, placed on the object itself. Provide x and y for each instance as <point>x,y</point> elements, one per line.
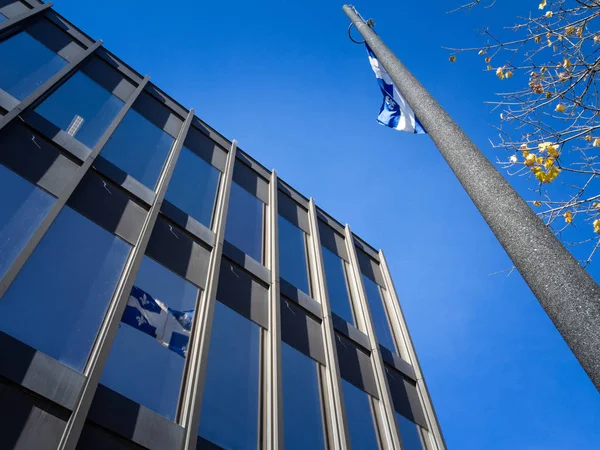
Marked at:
<point>161,289</point>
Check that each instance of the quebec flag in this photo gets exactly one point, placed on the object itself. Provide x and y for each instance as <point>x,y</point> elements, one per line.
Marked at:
<point>168,326</point>
<point>395,112</point>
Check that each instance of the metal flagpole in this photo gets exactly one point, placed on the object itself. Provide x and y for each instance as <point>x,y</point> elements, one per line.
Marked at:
<point>568,294</point>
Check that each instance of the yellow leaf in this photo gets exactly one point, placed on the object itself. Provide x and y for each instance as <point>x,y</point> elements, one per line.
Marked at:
<point>560,108</point>
<point>548,14</point>
<point>568,216</point>
<point>553,151</point>
<point>596,205</point>
<point>570,30</point>
<point>596,39</point>
<point>489,67</point>
<point>588,138</point>
<point>566,63</point>
<point>537,39</point>
<point>542,4</point>
<point>597,226</point>
<point>548,94</point>
<point>537,203</point>
<point>524,147</point>
<point>509,74</point>
<point>452,58</point>
<point>549,163</point>
<point>481,52</point>
<point>596,142</point>
<point>500,73</point>
<point>530,160</point>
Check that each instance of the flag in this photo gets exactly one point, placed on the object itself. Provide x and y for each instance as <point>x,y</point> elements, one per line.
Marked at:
<point>168,326</point>
<point>395,112</point>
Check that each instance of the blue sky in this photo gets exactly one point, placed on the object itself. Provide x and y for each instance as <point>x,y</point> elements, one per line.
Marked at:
<point>284,80</point>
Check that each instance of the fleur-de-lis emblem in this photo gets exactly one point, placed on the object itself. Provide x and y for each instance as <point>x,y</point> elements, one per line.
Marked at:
<point>141,320</point>
<point>144,300</point>
<point>390,102</point>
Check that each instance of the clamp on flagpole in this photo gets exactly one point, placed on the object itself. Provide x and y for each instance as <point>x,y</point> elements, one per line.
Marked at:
<point>370,23</point>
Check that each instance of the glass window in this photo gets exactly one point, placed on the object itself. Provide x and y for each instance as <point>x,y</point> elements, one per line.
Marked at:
<point>380,320</point>
<point>27,64</point>
<point>2,18</point>
<point>193,187</point>
<point>245,222</point>
<point>361,422</point>
<point>337,285</point>
<point>23,206</point>
<point>302,411</point>
<point>141,365</point>
<point>58,300</point>
<point>229,416</point>
<point>293,265</point>
<point>139,148</point>
<point>410,434</point>
<point>82,108</point>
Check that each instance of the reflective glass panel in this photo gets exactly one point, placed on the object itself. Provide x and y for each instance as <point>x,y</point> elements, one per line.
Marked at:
<point>380,320</point>
<point>139,148</point>
<point>2,18</point>
<point>361,424</point>
<point>409,433</point>
<point>23,206</point>
<point>292,255</point>
<point>245,222</point>
<point>82,108</point>
<point>229,416</point>
<point>57,301</point>
<point>337,286</point>
<point>27,64</point>
<point>302,412</point>
<point>193,187</point>
<point>141,366</point>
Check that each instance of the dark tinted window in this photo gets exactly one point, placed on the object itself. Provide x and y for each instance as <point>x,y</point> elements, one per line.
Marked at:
<point>82,108</point>
<point>292,255</point>
<point>229,416</point>
<point>139,148</point>
<point>337,285</point>
<point>380,320</point>
<point>245,222</point>
<point>193,187</point>
<point>302,411</point>
<point>410,434</point>
<point>144,364</point>
<point>26,64</point>
<point>359,412</point>
<point>22,208</point>
<point>2,18</point>
<point>58,300</point>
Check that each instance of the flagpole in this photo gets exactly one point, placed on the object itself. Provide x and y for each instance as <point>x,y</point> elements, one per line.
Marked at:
<point>568,294</point>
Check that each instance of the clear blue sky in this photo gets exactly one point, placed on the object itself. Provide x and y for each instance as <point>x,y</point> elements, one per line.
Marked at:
<point>284,80</point>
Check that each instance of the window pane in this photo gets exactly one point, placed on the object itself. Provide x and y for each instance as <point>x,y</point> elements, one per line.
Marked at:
<point>245,222</point>
<point>57,301</point>
<point>139,148</point>
<point>302,412</point>
<point>82,108</point>
<point>229,416</point>
<point>30,64</point>
<point>361,425</point>
<point>23,206</point>
<point>409,433</point>
<point>337,286</point>
<point>380,321</point>
<point>139,366</point>
<point>193,187</point>
<point>2,18</point>
<point>292,255</point>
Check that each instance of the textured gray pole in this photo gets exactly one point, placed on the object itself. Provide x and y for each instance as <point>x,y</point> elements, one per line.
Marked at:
<point>568,294</point>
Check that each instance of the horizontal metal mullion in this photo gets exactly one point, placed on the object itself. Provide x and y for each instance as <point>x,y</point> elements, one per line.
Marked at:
<point>49,85</point>
<point>24,17</point>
